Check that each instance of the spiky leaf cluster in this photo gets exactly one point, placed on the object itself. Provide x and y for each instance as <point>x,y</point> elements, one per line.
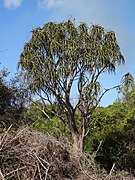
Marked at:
<point>59,52</point>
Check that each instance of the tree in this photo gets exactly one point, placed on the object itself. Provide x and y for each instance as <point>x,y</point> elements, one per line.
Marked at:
<point>127,90</point>
<point>11,101</point>
<point>5,93</point>
<point>61,58</point>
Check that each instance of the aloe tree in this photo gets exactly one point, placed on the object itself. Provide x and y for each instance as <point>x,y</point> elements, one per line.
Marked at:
<point>62,60</point>
<point>127,90</point>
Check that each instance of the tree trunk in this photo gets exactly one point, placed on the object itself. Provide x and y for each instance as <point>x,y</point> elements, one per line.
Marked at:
<point>77,138</point>
<point>77,144</point>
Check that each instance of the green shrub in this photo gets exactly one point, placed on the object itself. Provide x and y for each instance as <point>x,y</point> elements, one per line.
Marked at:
<point>114,126</point>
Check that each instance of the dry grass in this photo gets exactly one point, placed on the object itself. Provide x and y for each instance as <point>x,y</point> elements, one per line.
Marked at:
<point>27,155</point>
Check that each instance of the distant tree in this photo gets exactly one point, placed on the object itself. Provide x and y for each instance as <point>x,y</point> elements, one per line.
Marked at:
<point>127,90</point>
<point>61,59</point>
<point>11,101</point>
<point>5,93</point>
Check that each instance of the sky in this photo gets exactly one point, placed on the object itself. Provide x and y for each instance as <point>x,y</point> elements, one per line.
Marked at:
<point>19,17</point>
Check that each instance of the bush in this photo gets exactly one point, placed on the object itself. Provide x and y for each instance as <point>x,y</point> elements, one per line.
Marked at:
<point>32,155</point>
<point>114,126</point>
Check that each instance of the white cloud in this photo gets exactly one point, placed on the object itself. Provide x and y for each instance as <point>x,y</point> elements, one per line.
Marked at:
<point>12,4</point>
<point>50,3</point>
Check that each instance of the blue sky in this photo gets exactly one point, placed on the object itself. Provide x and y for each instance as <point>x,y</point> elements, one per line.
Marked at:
<point>19,17</point>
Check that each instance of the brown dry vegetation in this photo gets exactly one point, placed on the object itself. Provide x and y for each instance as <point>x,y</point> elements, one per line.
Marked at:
<point>30,155</point>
